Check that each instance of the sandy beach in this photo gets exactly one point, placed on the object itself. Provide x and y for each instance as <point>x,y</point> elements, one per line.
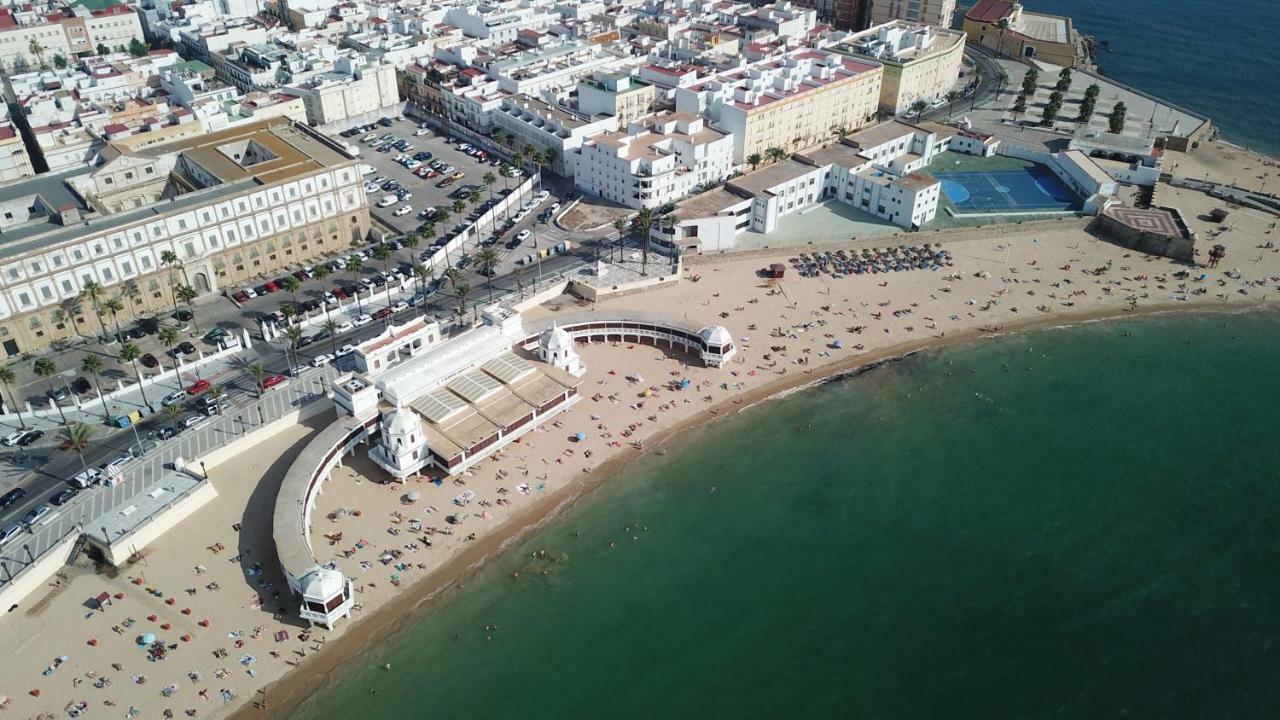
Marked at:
<point>217,588</point>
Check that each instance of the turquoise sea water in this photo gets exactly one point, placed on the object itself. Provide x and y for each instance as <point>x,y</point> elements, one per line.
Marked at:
<point>1211,57</point>
<point>1079,523</point>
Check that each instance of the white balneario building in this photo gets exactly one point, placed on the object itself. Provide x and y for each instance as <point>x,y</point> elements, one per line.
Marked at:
<point>656,160</point>
<point>530,121</point>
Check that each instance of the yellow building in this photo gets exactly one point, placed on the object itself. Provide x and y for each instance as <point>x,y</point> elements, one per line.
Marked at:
<point>928,12</point>
<point>921,62</point>
<point>231,206</point>
<point>787,102</point>
<point>1003,26</point>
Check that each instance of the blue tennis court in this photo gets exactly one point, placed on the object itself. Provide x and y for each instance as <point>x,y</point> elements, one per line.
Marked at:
<point>1026,190</point>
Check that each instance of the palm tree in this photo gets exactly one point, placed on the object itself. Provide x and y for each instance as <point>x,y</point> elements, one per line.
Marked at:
<point>132,291</point>
<point>76,437</point>
<point>775,154</point>
<point>36,49</point>
<point>188,295</point>
<point>499,137</point>
<point>292,284</point>
<point>331,327</point>
<point>93,291</point>
<point>289,311</point>
<point>113,305</point>
<point>952,96</point>
<point>257,372</point>
<point>320,273</point>
<point>45,368</point>
<point>216,392</point>
<point>462,289</point>
<point>172,413</point>
<point>518,274</point>
<point>168,336</point>
<point>423,274</point>
<point>7,377</point>
<point>487,181</point>
<point>383,253</point>
<point>169,259</point>
<point>486,262</point>
<point>412,241</point>
<point>92,364</point>
<point>474,197</point>
<point>644,221</point>
<point>130,353</point>
<point>754,160</point>
<point>918,107</point>
<point>72,308</point>
<point>293,334</point>
<point>355,265</point>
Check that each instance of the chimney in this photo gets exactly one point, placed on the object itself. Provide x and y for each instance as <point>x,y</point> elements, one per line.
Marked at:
<point>68,215</point>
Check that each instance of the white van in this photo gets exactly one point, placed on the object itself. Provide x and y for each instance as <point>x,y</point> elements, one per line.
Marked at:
<point>367,169</point>
<point>388,201</point>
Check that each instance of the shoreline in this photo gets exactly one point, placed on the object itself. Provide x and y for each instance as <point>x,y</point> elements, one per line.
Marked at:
<point>283,696</point>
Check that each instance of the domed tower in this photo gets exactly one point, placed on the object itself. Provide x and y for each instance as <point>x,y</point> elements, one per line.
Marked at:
<point>555,347</point>
<point>402,447</point>
<point>717,346</point>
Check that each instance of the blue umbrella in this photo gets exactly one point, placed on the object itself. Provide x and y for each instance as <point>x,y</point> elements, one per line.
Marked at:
<point>581,436</point>
<point>146,639</point>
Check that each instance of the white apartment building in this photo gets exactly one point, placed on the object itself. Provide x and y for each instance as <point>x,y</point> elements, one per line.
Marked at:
<point>498,23</point>
<point>921,62</point>
<point>787,102</point>
<point>534,122</point>
<point>657,160</point>
<point>67,31</point>
<point>622,96</point>
<point>880,170</point>
<point>937,13</point>
<point>782,19</point>
<point>535,72</point>
<point>352,90</point>
<point>473,101</point>
<point>15,163</point>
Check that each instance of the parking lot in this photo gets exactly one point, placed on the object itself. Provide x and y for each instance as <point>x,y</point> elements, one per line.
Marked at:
<point>426,192</point>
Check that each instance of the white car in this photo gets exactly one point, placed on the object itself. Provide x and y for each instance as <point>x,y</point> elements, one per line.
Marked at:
<point>387,201</point>
<point>363,320</point>
<point>343,327</point>
<point>464,146</point>
<point>554,207</point>
<point>346,349</point>
<point>321,360</point>
<point>523,235</point>
<point>174,398</point>
<point>402,210</point>
<point>516,172</point>
<point>192,420</point>
<point>250,292</point>
<point>541,195</point>
<point>400,307</point>
<point>13,438</point>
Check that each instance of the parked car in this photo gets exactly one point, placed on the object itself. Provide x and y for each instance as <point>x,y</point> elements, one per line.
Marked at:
<point>10,533</point>
<point>400,306</point>
<point>192,420</point>
<point>523,235</point>
<point>402,210</point>
<point>166,432</point>
<point>174,398</point>
<point>85,478</point>
<point>35,515</point>
<point>271,381</point>
<point>12,497</point>
<point>64,497</point>
<point>362,320</point>
<point>198,387</point>
<point>29,437</point>
<point>382,313</point>
<point>321,360</point>
<point>149,361</point>
<point>12,438</point>
<point>343,327</point>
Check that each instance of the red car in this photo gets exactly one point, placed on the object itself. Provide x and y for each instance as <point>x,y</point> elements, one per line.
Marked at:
<point>271,381</point>
<point>338,293</point>
<point>271,286</point>
<point>302,275</point>
<point>382,314</point>
<point>431,173</point>
<point>198,387</point>
<point>240,297</point>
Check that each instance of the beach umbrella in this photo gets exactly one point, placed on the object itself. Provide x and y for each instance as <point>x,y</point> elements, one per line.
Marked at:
<point>414,496</point>
<point>147,639</point>
<point>580,436</point>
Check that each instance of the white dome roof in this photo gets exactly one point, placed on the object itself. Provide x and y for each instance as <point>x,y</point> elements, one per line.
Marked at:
<point>322,583</point>
<point>716,335</point>
<point>554,338</point>
<point>401,421</point>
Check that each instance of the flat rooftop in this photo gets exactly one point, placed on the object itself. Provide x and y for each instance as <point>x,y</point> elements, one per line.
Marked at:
<point>707,204</point>
<point>771,176</point>
<point>880,133</point>
<point>1048,28</point>
<point>842,154</point>
<point>145,506</point>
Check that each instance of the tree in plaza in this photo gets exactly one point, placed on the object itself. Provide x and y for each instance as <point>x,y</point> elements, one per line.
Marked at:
<point>321,273</point>
<point>382,253</point>
<point>1002,79</point>
<point>412,241</point>
<point>754,160</point>
<point>188,295</point>
<point>1086,109</point>
<point>518,274</point>
<point>331,327</point>
<point>1019,105</point>
<point>355,265</point>
<point>172,413</point>
<point>474,198</point>
<point>1115,121</point>
<point>461,290</point>
<point>952,96</point>
<point>289,311</point>
<point>169,259</point>
<point>93,292</point>
<point>774,154</point>
<point>458,207</point>
<point>45,368</point>
<point>216,392</point>
<point>1050,113</point>
<point>486,263</point>
<point>499,136</point>
<point>137,48</point>
<point>488,181</point>
<point>93,365</point>
<point>102,50</point>
<point>75,437</point>
<point>1064,80</point>
<point>60,61</point>
<point>1030,81</point>
<point>644,222</point>
<point>7,378</point>
<point>293,334</point>
<point>1093,91</point>
<point>918,107</point>
<point>71,309</point>
<point>129,353</point>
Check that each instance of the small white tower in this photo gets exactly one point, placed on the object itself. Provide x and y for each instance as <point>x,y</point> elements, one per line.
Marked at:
<point>717,346</point>
<point>555,347</point>
<point>402,448</point>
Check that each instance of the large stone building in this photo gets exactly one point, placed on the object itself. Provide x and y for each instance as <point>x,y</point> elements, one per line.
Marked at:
<point>1003,26</point>
<point>355,89</point>
<point>920,62</point>
<point>790,102</point>
<point>231,205</point>
<point>68,31</point>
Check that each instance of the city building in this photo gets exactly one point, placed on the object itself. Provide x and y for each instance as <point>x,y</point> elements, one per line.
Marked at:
<point>787,102</point>
<point>31,38</point>
<point>781,20</point>
<point>353,90</point>
<point>937,13</point>
<point>654,161</point>
<point>231,205</point>
<point>549,128</point>
<point>1005,28</point>
<point>921,62</point>
<point>881,170</point>
<point>622,96</point>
